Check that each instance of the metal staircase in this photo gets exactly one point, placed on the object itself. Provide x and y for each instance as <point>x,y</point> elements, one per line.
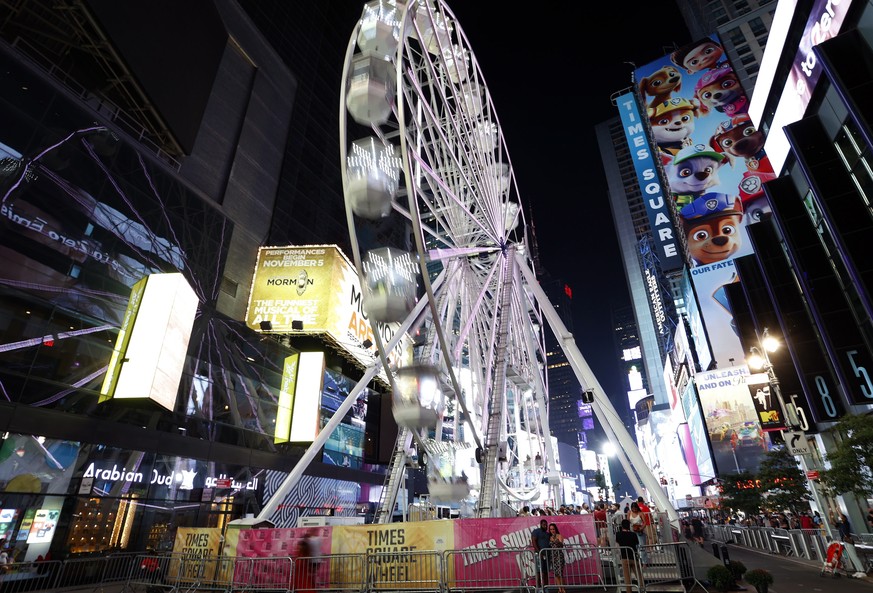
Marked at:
<point>488,491</point>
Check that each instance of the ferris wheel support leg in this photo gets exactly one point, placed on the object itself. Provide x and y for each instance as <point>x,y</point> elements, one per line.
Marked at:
<point>619,451</point>
<point>589,382</point>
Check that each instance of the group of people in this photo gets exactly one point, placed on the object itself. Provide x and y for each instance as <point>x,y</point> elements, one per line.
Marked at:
<point>633,527</point>
<point>548,537</point>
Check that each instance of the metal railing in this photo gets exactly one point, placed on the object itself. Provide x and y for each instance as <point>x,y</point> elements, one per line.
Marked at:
<point>809,544</point>
<point>452,571</point>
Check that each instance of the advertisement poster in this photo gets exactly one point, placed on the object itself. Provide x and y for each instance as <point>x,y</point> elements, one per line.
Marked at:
<point>317,287</point>
<point>408,552</point>
<point>43,528</point>
<point>195,552</point>
<point>699,436</point>
<point>765,401</point>
<point>738,442</point>
<point>480,543</point>
<point>712,154</point>
<point>7,522</point>
<point>26,524</point>
<point>709,282</point>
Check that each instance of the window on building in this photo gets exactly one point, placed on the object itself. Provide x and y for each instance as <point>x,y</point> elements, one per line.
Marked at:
<point>758,27</point>
<point>854,153</point>
<point>736,36</point>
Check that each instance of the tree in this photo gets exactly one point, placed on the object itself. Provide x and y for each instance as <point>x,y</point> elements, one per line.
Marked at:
<point>783,483</point>
<point>600,482</point>
<point>741,492</point>
<point>851,458</point>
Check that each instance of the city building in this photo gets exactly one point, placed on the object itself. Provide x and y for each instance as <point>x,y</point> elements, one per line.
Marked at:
<point>145,141</point>
<point>675,343</point>
<point>808,284</point>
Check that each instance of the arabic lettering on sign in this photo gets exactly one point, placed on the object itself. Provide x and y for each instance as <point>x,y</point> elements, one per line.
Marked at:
<point>184,478</point>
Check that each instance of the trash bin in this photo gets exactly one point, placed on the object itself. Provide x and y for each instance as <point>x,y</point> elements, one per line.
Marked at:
<point>715,550</point>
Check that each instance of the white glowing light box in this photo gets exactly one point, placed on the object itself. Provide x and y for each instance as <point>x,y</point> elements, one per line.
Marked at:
<point>306,410</point>
<point>152,342</point>
<point>286,399</point>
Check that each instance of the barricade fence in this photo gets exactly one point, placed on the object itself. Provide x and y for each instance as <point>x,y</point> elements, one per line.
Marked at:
<point>810,544</point>
<point>520,570</point>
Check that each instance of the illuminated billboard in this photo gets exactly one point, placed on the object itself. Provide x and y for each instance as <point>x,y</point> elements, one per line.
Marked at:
<point>715,166</point>
<point>712,155</point>
<point>152,342</point>
<point>306,408</point>
<point>314,289</point>
<point>655,196</point>
<point>698,436</point>
<point>738,441</point>
<point>286,398</point>
<point>825,20</point>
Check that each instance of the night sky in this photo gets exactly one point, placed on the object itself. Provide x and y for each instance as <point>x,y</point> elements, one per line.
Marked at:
<point>551,73</point>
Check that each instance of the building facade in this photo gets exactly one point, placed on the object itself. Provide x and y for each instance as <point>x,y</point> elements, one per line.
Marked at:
<point>172,153</point>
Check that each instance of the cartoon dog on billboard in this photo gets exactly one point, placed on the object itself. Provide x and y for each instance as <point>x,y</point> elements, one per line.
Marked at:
<point>660,84</point>
<point>738,138</point>
<point>672,124</point>
<point>720,90</point>
<point>698,56</point>
<point>712,225</point>
<point>692,171</point>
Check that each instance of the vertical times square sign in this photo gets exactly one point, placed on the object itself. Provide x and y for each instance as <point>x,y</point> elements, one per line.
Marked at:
<point>657,205</point>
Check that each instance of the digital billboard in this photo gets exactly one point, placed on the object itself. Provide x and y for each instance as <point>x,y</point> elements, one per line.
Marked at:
<point>316,288</point>
<point>825,20</point>
<point>698,435</point>
<point>738,441</point>
<point>712,155</point>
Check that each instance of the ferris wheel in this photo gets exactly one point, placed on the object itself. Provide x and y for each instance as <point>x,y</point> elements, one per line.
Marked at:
<point>438,232</point>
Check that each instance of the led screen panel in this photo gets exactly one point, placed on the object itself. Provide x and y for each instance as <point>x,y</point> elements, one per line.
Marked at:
<point>738,442</point>
<point>712,155</point>
<point>286,398</point>
<point>306,411</point>
<point>152,342</point>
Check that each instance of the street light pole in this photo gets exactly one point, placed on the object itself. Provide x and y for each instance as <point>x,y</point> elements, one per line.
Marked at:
<point>789,414</point>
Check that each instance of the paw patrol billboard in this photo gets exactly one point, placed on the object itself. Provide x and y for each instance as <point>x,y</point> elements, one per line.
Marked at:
<point>715,167</point>
<point>712,155</point>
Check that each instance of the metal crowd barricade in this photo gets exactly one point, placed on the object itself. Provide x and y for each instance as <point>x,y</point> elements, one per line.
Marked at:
<point>152,573</point>
<point>118,568</point>
<point>210,573</point>
<point>587,565</point>
<point>782,541</point>
<point>19,577</point>
<point>490,570</point>
<point>257,574</point>
<point>342,573</point>
<point>77,573</point>
<point>669,564</point>
<point>613,569</point>
<point>418,571</point>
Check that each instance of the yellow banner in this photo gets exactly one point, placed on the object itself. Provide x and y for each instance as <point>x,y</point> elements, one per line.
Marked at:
<point>195,556</point>
<point>406,555</point>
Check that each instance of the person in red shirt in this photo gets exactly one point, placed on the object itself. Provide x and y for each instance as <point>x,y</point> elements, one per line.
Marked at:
<point>647,520</point>
<point>600,524</point>
<point>806,521</point>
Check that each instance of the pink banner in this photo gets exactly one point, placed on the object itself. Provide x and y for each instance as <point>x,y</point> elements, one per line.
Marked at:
<point>479,539</point>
